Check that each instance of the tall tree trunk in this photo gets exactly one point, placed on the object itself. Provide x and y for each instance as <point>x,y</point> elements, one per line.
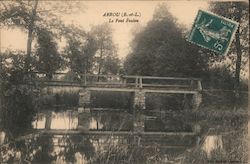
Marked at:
<point>30,35</point>
<point>0,57</point>
<point>238,59</point>
<point>238,64</point>
<point>248,109</point>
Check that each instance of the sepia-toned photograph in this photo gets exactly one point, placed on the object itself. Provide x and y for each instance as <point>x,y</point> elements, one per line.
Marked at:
<point>124,82</point>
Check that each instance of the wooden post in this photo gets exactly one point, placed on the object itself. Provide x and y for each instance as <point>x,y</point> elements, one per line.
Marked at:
<point>139,99</point>
<point>196,128</point>
<point>140,84</point>
<point>85,79</point>
<point>192,84</point>
<point>199,85</point>
<point>125,82</point>
<point>197,99</point>
<point>136,82</point>
<point>185,102</point>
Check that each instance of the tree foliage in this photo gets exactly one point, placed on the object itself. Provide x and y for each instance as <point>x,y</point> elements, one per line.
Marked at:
<point>87,52</point>
<point>239,51</point>
<point>17,103</point>
<point>34,15</point>
<point>106,59</point>
<point>161,49</point>
<point>47,15</point>
<point>92,52</point>
<point>48,58</point>
<point>80,52</point>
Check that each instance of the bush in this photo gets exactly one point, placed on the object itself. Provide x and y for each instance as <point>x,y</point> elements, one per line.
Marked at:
<point>17,101</point>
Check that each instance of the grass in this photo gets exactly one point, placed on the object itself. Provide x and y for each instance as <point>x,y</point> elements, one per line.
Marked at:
<point>234,150</point>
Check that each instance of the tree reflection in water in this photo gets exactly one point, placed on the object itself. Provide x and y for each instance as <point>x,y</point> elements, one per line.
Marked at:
<point>78,148</point>
<point>108,148</point>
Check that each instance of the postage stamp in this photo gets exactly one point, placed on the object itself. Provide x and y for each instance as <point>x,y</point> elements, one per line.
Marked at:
<point>213,32</point>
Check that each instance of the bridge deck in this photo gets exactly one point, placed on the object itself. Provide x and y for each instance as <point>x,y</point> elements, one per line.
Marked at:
<point>146,90</point>
<point>126,83</point>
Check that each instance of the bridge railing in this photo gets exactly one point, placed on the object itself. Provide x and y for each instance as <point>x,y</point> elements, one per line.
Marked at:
<point>163,82</point>
<point>65,79</point>
<point>132,81</point>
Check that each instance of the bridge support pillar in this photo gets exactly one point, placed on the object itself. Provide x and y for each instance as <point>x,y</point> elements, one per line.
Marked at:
<point>84,98</point>
<point>48,120</point>
<point>185,102</point>
<point>139,122</point>
<point>139,100</point>
<point>197,99</point>
<point>84,120</point>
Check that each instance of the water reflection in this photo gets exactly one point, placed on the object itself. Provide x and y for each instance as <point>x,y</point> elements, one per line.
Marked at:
<point>91,148</point>
<point>95,123</point>
<point>107,121</point>
<point>2,137</point>
<point>64,120</point>
<point>39,122</point>
<point>56,120</point>
<point>99,143</point>
<point>80,149</point>
<point>212,143</point>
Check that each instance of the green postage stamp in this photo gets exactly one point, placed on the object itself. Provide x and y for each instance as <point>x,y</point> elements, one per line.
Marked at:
<point>212,31</point>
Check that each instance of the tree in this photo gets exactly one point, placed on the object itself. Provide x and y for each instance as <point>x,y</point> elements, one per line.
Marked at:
<point>92,52</point>
<point>32,15</point>
<point>48,58</point>
<point>17,101</point>
<point>80,51</point>
<point>160,49</point>
<point>238,11</point>
<point>111,65</point>
<point>106,54</point>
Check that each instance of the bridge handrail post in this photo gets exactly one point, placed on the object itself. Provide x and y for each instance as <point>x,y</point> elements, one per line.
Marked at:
<point>123,80</point>
<point>199,85</point>
<point>85,79</point>
<point>136,82</point>
<point>192,84</point>
<point>140,82</point>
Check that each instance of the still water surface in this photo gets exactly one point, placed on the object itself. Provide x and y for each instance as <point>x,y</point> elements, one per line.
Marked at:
<point>103,144</point>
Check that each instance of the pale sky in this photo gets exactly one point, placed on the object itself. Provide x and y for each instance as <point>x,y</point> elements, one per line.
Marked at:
<point>184,11</point>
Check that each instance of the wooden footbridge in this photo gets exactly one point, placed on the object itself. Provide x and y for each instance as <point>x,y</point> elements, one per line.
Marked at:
<point>138,85</point>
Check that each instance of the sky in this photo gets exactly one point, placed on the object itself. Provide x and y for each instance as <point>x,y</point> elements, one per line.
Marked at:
<point>184,11</point>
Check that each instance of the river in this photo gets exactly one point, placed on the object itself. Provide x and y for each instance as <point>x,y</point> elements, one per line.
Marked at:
<point>108,136</point>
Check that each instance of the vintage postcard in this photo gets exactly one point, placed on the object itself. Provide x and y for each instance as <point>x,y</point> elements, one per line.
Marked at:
<point>124,82</point>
